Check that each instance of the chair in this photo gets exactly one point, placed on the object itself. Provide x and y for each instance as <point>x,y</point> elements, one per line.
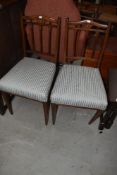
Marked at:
<point>32,78</point>
<point>81,86</point>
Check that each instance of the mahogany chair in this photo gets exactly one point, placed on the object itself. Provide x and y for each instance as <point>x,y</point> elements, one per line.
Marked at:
<point>81,86</point>
<point>32,78</point>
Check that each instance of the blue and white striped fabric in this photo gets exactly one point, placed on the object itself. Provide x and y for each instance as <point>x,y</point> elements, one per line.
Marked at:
<point>79,86</point>
<point>30,78</point>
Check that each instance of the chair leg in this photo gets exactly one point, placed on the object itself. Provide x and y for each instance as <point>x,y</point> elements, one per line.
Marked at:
<point>54,112</point>
<point>46,107</point>
<point>101,123</point>
<point>7,100</point>
<point>96,116</point>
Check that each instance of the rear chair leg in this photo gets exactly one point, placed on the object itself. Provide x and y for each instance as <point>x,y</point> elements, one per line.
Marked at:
<point>54,112</point>
<point>7,100</point>
<point>96,116</point>
<point>46,107</point>
<point>101,123</point>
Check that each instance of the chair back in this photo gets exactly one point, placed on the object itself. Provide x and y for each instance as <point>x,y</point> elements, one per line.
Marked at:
<point>43,26</point>
<point>54,8</point>
<point>96,35</point>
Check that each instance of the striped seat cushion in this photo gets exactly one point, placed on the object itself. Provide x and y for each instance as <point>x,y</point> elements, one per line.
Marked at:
<point>30,78</point>
<point>79,86</point>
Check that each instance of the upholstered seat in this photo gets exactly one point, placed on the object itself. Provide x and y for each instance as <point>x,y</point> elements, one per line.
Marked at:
<point>79,86</point>
<point>30,78</point>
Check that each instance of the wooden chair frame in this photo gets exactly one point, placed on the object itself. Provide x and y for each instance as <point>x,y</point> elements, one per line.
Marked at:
<point>87,26</point>
<point>39,21</point>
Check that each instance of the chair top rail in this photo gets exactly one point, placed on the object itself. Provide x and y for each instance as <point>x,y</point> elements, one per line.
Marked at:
<point>40,19</point>
<point>91,22</point>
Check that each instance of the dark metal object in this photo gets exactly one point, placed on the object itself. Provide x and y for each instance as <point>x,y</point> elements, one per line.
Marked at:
<point>111,112</point>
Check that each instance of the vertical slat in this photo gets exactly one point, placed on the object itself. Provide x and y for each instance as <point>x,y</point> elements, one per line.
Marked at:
<point>66,39</point>
<point>58,33</point>
<point>95,44</point>
<point>32,35</point>
<point>50,38</point>
<point>41,37</point>
<point>76,38</point>
<point>75,41</point>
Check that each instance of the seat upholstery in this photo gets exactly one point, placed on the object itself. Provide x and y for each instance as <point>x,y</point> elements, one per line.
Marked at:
<point>79,86</point>
<point>30,78</point>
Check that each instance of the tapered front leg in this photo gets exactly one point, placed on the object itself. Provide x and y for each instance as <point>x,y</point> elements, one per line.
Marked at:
<point>46,108</point>
<point>54,112</point>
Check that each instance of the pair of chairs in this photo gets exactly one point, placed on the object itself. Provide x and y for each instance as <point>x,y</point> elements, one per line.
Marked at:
<point>43,80</point>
